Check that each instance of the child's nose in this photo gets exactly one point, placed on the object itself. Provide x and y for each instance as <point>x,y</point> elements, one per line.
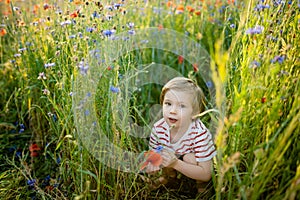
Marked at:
<point>173,109</point>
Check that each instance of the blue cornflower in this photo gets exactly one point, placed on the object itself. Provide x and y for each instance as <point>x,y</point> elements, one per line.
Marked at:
<point>130,25</point>
<point>144,41</point>
<point>278,2</point>
<point>109,7</point>
<point>209,84</point>
<point>22,128</point>
<point>272,38</point>
<point>261,7</point>
<point>83,67</point>
<point>157,10</point>
<point>254,64</point>
<point>159,149</point>
<point>31,182</point>
<point>22,50</point>
<point>18,154</point>
<point>47,178</point>
<point>86,112</point>
<point>108,32</point>
<point>278,59</point>
<point>221,10</point>
<point>67,22</point>
<point>95,14</point>
<point>95,53</point>
<point>90,29</point>
<point>131,32</point>
<point>47,65</point>
<point>72,36</point>
<point>114,89</point>
<point>255,30</point>
<point>58,160</point>
<point>232,26</point>
<point>54,117</point>
<point>117,6</point>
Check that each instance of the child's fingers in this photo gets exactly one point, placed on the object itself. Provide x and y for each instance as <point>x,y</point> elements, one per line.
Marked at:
<point>168,158</point>
<point>151,168</point>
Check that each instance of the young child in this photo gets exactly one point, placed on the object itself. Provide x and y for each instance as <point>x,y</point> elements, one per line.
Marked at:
<point>187,144</point>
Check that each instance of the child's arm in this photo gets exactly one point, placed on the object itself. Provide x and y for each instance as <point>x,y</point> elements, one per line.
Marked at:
<point>189,166</point>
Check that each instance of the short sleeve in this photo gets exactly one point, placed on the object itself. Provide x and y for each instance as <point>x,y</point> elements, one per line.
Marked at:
<point>203,145</point>
<point>153,141</point>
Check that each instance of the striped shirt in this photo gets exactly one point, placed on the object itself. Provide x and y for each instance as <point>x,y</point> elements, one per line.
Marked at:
<point>197,139</point>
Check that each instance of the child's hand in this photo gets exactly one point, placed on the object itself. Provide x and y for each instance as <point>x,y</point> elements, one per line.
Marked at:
<point>151,169</point>
<point>169,158</point>
<point>152,161</point>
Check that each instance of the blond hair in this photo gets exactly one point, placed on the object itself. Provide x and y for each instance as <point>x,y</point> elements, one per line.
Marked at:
<point>185,85</point>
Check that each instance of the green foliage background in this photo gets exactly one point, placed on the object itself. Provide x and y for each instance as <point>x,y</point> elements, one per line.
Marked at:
<point>257,139</point>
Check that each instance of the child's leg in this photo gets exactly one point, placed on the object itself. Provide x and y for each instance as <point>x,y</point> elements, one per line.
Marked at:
<point>190,158</point>
<point>169,172</point>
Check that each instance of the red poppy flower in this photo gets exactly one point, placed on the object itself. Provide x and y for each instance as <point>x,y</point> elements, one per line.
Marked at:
<point>49,188</point>
<point>180,8</point>
<point>180,59</point>
<point>78,2</point>
<point>74,14</point>
<point>190,8</point>
<point>34,148</point>
<point>169,3</point>
<point>2,32</point>
<point>160,27</point>
<point>35,9</point>
<point>153,158</point>
<point>195,67</point>
<point>198,12</point>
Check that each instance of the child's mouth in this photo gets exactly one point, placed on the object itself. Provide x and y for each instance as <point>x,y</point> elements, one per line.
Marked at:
<point>172,120</point>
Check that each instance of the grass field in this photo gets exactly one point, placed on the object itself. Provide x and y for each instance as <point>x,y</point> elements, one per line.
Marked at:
<point>80,83</point>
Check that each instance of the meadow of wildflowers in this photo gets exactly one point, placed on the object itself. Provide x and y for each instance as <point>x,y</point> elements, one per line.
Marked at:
<point>67,71</point>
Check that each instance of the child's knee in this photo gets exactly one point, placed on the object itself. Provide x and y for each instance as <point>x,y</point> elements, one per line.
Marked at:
<point>169,172</point>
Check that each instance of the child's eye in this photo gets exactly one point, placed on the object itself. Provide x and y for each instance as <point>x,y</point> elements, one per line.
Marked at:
<point>167,103</point>
<point>182,106</point>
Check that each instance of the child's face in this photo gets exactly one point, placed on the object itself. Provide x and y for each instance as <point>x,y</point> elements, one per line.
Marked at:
<point>177,109</point>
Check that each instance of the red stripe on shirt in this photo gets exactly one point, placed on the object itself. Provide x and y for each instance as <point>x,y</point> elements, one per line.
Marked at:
<point>204,132</point>
<point>206,156</point>
<point>203,145</point>
<point>162,133</point>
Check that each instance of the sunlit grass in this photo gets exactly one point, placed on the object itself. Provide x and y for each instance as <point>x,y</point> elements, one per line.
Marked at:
<point>46,45</point>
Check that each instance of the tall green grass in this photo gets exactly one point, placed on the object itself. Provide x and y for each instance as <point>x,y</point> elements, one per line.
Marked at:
<point>257,82</point>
